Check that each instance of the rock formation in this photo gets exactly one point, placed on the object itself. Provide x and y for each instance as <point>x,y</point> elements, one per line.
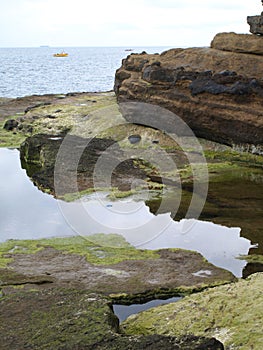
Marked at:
<point>217,91</point>
<point>208,313</point>
<point>256,23</point>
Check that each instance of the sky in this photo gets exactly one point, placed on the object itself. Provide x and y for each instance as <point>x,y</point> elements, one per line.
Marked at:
<point>128,23</point>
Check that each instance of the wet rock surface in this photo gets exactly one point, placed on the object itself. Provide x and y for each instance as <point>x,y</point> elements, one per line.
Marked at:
<point>46,286</point>
<point>76,158</point>
<point>73,319</point>
<point>124,273</point>
<point>50,114</point>
<point>53,299</point>
<point>230,313</point>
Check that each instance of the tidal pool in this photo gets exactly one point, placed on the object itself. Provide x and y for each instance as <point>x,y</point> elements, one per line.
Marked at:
<point>124,311</point>
<point>28,213</point>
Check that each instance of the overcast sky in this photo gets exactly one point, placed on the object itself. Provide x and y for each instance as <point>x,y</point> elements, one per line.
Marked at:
<point>129,23</point>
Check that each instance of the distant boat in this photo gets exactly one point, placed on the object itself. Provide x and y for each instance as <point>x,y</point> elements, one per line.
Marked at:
<point>60,54</point>
<point>129,50</point>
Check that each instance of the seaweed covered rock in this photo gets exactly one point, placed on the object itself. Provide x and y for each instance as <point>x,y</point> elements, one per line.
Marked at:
<point>231,313</point>
<point>71,319</point>
<point>109,265</point>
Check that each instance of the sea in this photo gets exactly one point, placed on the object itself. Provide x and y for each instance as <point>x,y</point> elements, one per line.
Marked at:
<point>34,70</point>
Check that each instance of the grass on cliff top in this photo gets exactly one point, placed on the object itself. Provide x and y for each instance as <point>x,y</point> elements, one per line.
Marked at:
<point>97,249</point>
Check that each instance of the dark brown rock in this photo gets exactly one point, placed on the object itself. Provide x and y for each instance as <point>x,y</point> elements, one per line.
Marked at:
<point>77,158</point>
<point>256,24</point>
<point>217,93</point>
<point>10,124</point>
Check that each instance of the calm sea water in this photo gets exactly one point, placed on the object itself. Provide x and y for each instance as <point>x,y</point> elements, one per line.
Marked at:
<point>28,71</point>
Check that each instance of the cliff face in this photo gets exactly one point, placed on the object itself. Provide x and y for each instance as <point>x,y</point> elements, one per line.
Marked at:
<point>217,91</point>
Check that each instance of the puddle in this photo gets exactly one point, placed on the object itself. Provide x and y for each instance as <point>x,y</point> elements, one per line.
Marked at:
<point>133,220</point>
<point>28,213</point>
<point>124,311</point>
<point>25,211</point>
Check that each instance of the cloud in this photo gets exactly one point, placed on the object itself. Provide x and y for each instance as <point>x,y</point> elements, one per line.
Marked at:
<point>201,5</point>
<point>111,23</point>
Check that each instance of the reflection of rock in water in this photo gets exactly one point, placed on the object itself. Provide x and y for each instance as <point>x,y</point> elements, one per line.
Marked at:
<point>251,268</point>
<point>234,199</point>
<point>78,159</point>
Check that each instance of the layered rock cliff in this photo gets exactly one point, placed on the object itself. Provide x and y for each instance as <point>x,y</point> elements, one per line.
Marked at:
<point>217,91</point>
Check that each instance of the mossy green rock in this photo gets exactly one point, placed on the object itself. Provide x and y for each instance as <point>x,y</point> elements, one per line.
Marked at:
<point>230,313</point>
<point>71,319</point>
<point>104,264</point>
<point>54,319</point>
<point>48,114</point>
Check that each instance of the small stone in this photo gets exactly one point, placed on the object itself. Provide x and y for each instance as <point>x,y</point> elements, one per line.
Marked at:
<point>134,139</point>
<point>10,124</point>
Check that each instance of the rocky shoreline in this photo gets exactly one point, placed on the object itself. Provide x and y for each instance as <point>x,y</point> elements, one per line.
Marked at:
<point>43,273</point>
<point>217,91</point>
<point>59,293</point>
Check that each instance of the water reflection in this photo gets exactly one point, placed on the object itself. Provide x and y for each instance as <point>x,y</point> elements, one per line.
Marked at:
<point>124,311</point>
<point>220,245</point>
<point>27,213</point>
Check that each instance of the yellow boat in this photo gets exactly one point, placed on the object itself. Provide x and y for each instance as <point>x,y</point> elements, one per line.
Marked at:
<point>61,54</point>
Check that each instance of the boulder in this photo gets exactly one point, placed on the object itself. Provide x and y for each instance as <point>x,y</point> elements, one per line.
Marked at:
<point>242,43</point>
<point>256,24</point>
<point>217,92</point>
<point>10,124</point>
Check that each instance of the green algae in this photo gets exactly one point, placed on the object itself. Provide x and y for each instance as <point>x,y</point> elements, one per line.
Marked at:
<point>114,193</point>
<point>97,249</point>
<point>57,318</point>
<point>10,138</point>
<point>70,197</point>
<point>121,194</point>
<point>254,258</point>
<point>67,318</point>
<point>232,313</point>
<point>57,118</point>
<point>4,261</point>
<point>230,155</point>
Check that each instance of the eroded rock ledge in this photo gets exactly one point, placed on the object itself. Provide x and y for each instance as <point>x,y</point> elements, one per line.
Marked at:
<point>217,91</point>
<point>209,313</point>
<point>58,293</point>
<point>71,319</point>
